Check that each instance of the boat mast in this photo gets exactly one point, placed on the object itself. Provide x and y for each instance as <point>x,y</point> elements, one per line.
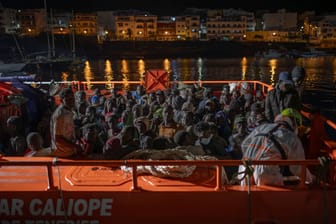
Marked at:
<point>47,27</point>
<point>73,36</point>
<point>53,53</point>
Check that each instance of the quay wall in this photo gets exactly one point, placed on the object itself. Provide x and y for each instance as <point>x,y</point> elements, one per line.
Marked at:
<point>88,47</point>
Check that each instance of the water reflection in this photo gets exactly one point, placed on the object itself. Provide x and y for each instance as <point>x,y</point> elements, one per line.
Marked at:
<point>88,75</point>
<point>125,74</point>
<point>273,65</point>
<point>141,70</point>
<point>108,74</point>
<point>319,84</point>
<point>334,70</point>
<point>200,69</point>
<point>244,68</point>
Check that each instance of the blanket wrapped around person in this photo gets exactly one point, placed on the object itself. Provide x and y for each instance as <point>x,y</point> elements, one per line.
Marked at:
<point>172,171</point>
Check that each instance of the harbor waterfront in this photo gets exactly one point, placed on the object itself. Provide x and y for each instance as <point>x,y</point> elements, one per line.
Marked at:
<point>319,85</point>
<point>60,190</point>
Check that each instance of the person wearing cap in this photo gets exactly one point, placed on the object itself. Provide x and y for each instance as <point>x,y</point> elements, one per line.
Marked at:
<point>275,141</point>
<point>298,76</point>
<point>213,145</point>
<point>283,96</point>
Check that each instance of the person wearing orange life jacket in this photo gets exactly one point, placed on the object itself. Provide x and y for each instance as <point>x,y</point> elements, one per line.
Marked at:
<point>275,141</point>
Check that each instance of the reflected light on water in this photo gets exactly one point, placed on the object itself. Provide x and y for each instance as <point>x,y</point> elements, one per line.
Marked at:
<point>313,67</point>
<point>186,70</point>
<point>64,76</point>
<point>125,74</point>
<point>200,65</point>
<point>88,75</point>
<point>166,65</point>
<point>171,69</point>
<point>244,67</point>
<point>334,69</point>
<point>273,65</point>
<point>108,74</point>
<point>141,70</point>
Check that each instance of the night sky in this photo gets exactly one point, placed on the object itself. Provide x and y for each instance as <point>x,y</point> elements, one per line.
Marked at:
<point>170,7</point>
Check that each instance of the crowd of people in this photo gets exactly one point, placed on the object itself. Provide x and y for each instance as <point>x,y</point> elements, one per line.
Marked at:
<point>236,125</point>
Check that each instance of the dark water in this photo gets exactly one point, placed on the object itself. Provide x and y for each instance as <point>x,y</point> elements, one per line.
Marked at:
<point>320,83</point>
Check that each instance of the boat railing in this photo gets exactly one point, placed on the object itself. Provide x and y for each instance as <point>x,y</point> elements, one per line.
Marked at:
<point>88,85</point>
<point>220,185</point>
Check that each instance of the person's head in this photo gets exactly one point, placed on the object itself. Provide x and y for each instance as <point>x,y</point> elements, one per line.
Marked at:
<point>168,113</point>
<point>129,134</point>
<point>94,101</point>
<point>110,104</point>
<point>160,96</point>
<point>298,75</point>
<point>256,109</point>
<point>90,111</point>
<point>210,106</point>
<point>114,93</point>
<point>221,118</point>
<point>34,141</point>
<point>240,124</point>
<point>226,90</point>
<point>112,121</point>
<point>187,118</point>
<point>80,96</point>
<point>137,110</point>
<point>140,90</point>
<point>161,142</point>
<point>142,124</point>
<point>183,138</point>
<point>102,100</point>
<point>15,125</point>
<point>202,129</point>
<point>89,132</point>
<point>291,118</point>
<point>67,97</point>
<point>285,82</point>
<point>97,92</point>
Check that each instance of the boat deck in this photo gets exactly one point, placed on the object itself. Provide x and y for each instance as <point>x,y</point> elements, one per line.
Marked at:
<point>46,190</point>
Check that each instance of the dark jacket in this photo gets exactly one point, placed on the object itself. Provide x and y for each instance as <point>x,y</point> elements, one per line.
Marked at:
<point>277,101</point>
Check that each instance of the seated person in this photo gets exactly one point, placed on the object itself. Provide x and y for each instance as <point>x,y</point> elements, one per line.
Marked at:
<point>35,146</point>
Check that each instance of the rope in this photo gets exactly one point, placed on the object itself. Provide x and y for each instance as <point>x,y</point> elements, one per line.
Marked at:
<point>248,174</point>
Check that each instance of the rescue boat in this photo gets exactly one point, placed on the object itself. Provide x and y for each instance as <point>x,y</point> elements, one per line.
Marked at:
<point>63,191</point>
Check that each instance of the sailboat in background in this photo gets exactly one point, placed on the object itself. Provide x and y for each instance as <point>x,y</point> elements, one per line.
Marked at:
<point>52,59</point>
